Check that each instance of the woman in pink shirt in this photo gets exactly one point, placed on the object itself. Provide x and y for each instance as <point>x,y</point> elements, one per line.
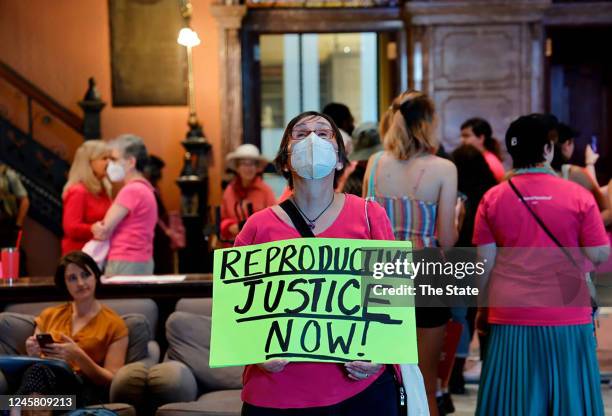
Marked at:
<point>247,193</point>
<point>478,133</point>
<point>130,222</point>
<point>535,231</point>
<point>312,158</point>
<point>86,196</point>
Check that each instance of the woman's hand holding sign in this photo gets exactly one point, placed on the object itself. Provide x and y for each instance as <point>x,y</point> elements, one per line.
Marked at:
<point>273,366</point>
<point>360,370</point>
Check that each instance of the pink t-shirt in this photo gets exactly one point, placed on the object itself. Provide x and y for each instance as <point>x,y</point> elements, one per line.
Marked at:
<point>132,240</point>
<point>532,279</point>
<point>495,165</point>
<point>301,385</point>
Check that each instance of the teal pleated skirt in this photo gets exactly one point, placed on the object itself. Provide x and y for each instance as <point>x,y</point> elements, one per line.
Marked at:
<point>540,371</point>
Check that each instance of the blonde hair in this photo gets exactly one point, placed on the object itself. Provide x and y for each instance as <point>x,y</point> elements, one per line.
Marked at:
<point>81,172</point>
<point>408,125</point>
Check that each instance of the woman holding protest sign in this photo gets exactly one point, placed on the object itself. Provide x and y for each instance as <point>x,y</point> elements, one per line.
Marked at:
<point>312,158</point>
<point>422,206</point>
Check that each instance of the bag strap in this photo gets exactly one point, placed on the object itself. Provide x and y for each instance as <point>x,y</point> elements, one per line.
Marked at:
<point>296,218</point>
<point>371,193</point>
<point>543,226</point>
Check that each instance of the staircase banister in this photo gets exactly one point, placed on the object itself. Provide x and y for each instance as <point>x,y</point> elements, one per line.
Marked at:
<point>52,106</point>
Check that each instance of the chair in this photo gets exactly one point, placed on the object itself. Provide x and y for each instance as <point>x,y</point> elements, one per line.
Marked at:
<point>129,383</point>
<point>184,383</point>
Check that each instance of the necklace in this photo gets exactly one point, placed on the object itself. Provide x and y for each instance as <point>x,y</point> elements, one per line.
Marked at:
<point>536,169</point>
<point>311,223</point>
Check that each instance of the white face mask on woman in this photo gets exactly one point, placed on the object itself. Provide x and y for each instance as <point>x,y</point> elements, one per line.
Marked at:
<point>115,171</point>
<point>313,157</point>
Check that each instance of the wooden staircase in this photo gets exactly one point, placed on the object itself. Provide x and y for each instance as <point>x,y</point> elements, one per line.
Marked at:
<point>38,137</point>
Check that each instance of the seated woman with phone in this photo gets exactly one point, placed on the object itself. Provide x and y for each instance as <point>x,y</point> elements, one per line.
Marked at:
<point>84,333</point>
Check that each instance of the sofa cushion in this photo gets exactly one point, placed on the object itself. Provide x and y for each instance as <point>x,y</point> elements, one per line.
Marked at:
<point>217,403</point>
<point>15,328</point>
<point>199,306</point>
<point>188,337</point>
<point>146,307</point>
<point>139,336</point>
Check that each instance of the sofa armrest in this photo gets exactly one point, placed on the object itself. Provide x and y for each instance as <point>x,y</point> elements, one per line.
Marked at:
<point>170,382</point>
<point>3,384</point>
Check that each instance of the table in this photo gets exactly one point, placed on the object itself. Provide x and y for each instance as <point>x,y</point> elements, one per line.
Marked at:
<point>165,295</point>
<point>39,289</point>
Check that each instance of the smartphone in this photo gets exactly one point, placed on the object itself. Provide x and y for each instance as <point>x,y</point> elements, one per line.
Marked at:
<point>594,143</point>
<point>44,340</point>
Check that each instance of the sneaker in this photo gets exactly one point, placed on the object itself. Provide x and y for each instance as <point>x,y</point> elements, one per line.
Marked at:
<point>445,404</point>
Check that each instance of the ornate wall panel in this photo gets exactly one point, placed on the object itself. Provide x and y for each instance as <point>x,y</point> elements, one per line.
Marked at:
<point>478,61</point>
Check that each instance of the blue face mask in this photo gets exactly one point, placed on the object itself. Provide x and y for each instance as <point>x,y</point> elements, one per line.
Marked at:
<point>313,157</point>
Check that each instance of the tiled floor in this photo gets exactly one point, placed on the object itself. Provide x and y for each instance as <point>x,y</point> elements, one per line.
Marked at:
<point>466,404</point>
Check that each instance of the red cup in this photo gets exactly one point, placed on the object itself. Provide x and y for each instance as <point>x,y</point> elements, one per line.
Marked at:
<point>10,263</point>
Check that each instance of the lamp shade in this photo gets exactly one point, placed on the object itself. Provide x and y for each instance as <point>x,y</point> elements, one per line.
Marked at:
<point>188,37</point>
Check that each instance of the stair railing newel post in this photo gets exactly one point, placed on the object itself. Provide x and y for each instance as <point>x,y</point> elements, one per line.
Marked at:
<point>92,105</point>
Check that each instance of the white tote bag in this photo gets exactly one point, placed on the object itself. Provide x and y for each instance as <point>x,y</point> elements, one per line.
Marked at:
<point>97,250</point>
<point>416,397</point>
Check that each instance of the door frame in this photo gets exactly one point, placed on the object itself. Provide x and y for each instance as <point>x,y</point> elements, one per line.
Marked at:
<point>324,20</point>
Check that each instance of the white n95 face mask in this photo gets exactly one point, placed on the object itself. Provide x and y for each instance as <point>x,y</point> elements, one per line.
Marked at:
<point>313,157</point>
<point>115,171</point>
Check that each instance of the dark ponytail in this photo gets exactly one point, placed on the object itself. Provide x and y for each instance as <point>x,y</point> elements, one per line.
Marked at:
<point>481,127</point>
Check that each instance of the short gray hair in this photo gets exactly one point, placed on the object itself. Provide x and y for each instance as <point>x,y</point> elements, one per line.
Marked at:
<point>131,145</point>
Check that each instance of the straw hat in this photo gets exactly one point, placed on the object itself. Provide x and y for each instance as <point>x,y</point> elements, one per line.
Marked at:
<point>245,151</point>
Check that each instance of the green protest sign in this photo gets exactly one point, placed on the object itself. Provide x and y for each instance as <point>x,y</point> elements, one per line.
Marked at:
<point>307,300</point>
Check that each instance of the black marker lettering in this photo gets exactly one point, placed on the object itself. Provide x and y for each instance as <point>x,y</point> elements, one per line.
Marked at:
<point>330,297</point>
<point>325,257</point>
<point>285,257</point>
<point>271,254</point>
<point>248,263</point>
<point>227,264</point>
<point>292,288</point>
<point>339,256</point>
<point>251,295</point>
<point>316,292</point>
<point>302,258</point>
<point>364,262</point>
<point>317,335</point>
<point>333,343</point>
<point>279,293</point>
<point>283,342</point>
<point>343,309</point>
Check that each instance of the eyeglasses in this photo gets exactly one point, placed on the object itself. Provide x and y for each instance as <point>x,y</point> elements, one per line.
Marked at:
<point>300,134</point>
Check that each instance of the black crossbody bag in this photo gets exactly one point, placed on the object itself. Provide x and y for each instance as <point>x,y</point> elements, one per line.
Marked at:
<point>300,225</point>
<point>553,238</point>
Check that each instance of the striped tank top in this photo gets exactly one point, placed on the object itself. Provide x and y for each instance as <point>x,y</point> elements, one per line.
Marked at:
<point>411,219</point>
